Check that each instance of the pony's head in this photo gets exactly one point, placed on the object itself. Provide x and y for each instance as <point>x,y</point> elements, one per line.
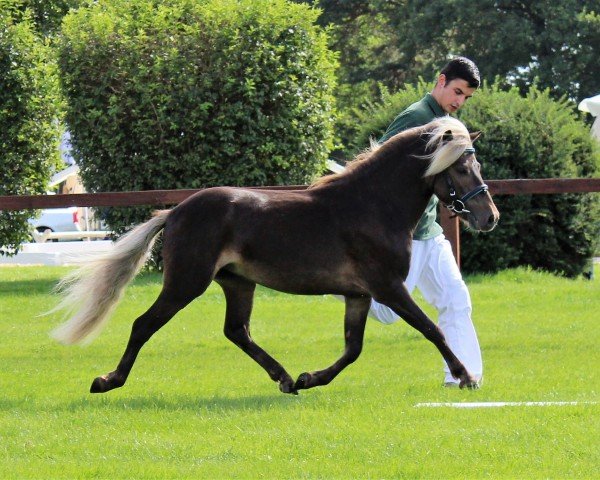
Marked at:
<point>456,173</point>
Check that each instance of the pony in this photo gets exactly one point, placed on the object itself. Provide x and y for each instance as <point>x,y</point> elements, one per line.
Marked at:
<point>348,234</point>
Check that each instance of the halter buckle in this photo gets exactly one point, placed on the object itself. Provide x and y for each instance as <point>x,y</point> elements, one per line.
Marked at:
<point>457,206</point>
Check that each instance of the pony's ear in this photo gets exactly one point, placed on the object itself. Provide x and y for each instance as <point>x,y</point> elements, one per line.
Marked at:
<point>447,136</point>
<point>474,136</point>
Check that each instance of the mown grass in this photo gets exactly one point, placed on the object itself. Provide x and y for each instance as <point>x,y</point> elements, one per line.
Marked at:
<point>196,407</point>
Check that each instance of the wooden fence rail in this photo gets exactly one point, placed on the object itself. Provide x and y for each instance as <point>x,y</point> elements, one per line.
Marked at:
<point>172,197</point>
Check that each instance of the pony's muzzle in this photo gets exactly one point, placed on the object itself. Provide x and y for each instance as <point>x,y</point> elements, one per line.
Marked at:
<point>489,223</point>
<point>482,221</point>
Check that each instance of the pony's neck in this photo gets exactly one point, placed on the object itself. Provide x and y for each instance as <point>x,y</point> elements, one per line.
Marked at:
<point>410,190</point>
<point>391,183</point>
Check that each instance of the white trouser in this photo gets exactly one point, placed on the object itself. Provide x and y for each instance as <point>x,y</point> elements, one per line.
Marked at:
<point>434,272</point>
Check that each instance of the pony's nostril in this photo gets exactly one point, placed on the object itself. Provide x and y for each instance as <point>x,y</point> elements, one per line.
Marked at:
<point>492,220</point>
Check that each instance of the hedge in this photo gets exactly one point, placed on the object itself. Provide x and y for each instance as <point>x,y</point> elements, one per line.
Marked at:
<point>30,110</point>
<point>523,137</point>
<point>188,94</point>
<point>534,137</point>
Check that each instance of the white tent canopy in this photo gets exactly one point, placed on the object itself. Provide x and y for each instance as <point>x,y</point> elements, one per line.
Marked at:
<point>592,105</point>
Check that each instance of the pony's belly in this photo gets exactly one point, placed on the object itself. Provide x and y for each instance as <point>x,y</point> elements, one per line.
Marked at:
<point>316,282</point>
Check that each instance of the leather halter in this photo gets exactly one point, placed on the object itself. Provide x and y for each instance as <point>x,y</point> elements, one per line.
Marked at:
<point>457,205</point>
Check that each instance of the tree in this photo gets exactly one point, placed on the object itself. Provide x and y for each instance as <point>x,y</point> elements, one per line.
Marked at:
<point>394,43</point>
<point>551,44</point>
<point>30,111</point>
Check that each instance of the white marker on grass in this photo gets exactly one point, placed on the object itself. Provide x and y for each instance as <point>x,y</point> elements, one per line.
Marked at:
<point>502,404</point>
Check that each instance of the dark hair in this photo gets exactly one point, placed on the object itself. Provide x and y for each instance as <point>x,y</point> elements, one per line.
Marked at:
<point>463,68</point>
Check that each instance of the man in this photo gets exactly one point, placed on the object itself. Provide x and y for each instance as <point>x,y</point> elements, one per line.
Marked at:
<point>433,269</point>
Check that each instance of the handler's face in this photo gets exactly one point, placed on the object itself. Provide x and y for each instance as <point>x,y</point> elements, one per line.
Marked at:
<point>454,94</point>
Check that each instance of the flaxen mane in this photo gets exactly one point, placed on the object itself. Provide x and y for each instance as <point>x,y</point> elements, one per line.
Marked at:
<point>359,160</point>
<point>444,153</point>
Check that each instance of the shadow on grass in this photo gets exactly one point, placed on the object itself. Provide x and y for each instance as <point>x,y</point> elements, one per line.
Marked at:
<point>27,287</point>
<point>188,403</point>
<point>46,284</point>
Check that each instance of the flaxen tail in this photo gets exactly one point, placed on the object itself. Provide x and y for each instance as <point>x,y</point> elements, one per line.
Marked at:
<point>91,293</point>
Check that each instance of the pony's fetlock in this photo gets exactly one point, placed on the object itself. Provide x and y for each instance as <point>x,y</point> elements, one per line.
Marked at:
<point>304,381</point>
<point>458,370</point>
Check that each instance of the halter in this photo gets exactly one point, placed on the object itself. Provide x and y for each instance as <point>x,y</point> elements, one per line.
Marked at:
<point>457,205</point>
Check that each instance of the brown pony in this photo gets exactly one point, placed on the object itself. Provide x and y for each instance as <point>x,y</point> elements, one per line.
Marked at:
<point>348,234</point>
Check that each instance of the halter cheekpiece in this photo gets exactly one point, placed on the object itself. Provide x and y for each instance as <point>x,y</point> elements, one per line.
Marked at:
<point>457,205</point>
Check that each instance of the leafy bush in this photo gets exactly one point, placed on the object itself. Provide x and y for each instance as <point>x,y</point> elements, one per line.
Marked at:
<point>188,94</point>
<point>534,137</point>
<point>371,121</point>
<point>29,120</point>
<point>531,137</point>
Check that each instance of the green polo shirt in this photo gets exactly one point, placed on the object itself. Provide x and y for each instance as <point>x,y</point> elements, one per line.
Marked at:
<point>420,113</point>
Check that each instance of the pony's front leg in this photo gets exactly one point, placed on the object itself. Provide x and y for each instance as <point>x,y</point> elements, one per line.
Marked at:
<point>355,319</point>
<point>400,301</point>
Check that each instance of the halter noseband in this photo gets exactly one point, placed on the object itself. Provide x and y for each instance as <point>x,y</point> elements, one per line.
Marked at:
<point>457,205</point>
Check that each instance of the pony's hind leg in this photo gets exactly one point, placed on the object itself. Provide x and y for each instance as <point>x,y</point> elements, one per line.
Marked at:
<point>190,250</point>
<point>355,319</point>
<point>163,309</point>
<point>239,294</point>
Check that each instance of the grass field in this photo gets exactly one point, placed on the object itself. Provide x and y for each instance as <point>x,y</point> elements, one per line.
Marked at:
<point>196,407</point>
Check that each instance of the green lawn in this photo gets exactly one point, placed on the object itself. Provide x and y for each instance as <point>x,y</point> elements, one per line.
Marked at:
<point>195,406</point>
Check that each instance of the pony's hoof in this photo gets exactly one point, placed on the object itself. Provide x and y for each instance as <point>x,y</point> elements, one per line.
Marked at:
<point>470,384</point>
<point>288,387</point>
<point>106,382</point>
<point>99,385</point>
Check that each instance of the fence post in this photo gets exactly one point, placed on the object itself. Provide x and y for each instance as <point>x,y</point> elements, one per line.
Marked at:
<point>451,231</point>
